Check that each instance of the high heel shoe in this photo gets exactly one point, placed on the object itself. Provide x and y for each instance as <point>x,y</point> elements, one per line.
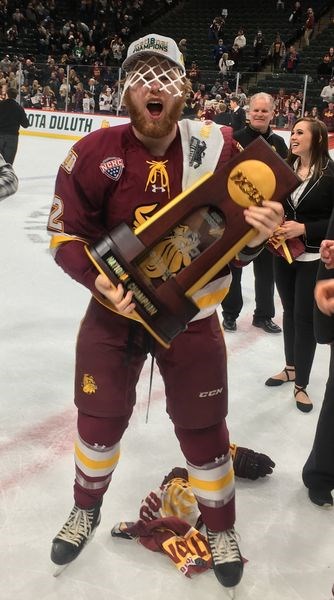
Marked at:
<point>274,381</point>
<point>303,406</point>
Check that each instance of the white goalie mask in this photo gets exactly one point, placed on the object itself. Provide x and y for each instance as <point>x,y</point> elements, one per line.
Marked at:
<point>156,69</point>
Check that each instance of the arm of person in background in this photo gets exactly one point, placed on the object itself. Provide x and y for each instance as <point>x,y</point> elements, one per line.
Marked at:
<point>327,253</point>
<point>324,289</point>
<point>324,296</point>
<point>24,119</point>
<point>8,179</point>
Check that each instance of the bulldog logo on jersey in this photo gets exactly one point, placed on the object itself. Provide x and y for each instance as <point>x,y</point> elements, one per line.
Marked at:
<point>112,167</point>
<point>197,151</point>
<point>88,384</point>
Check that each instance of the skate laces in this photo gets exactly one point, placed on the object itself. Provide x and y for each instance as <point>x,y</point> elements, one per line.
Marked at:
<point>224,546</point>
<point>78,527</point>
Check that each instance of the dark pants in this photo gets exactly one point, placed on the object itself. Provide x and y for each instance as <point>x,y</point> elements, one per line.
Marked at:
<point>318,471</point>
<point>295,284</point>
<point>263,266</point>
<point>8,147</point>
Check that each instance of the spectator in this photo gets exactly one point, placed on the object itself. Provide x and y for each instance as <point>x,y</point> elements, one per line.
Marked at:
<point>105,100</point>
<point>194,75</point>
<point>31,18</point>
<point>48,99</point>
<point>12,81</point>
<point>5,64</point>
<point>64,100</point>
<point>314,112</point>
<point>219,50</point>
<point>225,90</point>
<point>78,97</point>
<point>327,116</point>
<point>215,88</point>
<point>331,53</point>
<point>223,115</point>
<point>240,41</point>
<point>184,50</point>
<point>208,112</point>
<point>261,110</point>
<point>258,45</point>
<point>280,103</point>
<point>235,54</point>
<point>36,95</point>
<point>277,52</point>
<point>292,60</point>
<point>216,29</point>
<point>12,117</point>
<point>225,65</point>
<point>293,107</point>
<point>309,26</point>
<point>296,15</point>
<point>238,115</point>
<point>327,92</point>
<point>88,103</point>
<point>325,69</point>
<point>241,97</point>
<point>307,212</point>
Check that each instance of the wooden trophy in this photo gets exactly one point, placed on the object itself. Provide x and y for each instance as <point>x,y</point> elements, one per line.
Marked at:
<point>184,245</point>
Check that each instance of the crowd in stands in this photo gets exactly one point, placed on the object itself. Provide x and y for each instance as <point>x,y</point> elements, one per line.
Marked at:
<point>76,66</point>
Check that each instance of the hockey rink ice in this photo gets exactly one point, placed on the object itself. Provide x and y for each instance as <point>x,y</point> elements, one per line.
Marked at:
<point>288,542</point>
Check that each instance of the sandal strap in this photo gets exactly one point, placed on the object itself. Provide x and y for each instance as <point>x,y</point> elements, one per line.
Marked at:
<point>288,370</point>
<point>300,389</point>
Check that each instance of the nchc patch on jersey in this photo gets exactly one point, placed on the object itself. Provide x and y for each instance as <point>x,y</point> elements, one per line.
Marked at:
<point>112,167</point>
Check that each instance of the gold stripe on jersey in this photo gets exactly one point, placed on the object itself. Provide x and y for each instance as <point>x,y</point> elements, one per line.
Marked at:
<point>212,298</point>
<point>96,461</point>
<point>209,298</point>
<point>213,483</point>
<point>58,240</point>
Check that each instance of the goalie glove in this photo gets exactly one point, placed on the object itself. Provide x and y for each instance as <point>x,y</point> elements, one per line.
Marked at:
<point>249,464</point>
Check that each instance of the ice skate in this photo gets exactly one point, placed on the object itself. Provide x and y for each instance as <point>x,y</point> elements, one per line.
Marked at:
<point>226,557</point>
<point>75,533</point>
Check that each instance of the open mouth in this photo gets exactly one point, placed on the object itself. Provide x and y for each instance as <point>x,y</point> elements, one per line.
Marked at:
<point>154,108</point>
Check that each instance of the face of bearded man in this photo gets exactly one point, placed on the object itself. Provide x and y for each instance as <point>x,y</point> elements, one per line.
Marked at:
<point>154,95</point>
<point>157,128</point>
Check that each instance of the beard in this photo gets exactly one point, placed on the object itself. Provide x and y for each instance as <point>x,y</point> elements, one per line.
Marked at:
<point>154,129</point>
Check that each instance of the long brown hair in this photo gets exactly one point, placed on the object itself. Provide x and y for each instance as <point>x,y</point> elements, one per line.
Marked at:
<point>319,146</point>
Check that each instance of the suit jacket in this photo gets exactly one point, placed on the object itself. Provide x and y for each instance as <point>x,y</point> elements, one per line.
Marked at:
<point>246,135</point>
<point>324,325</point>
<point>314,208</point>
<point>238,119</point>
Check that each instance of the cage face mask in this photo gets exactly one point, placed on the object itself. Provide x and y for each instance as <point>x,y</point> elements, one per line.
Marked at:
<point>156,69</point>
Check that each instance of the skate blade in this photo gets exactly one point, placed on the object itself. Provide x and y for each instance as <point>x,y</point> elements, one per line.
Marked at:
<point>231,593</point>
<point>59,569</point>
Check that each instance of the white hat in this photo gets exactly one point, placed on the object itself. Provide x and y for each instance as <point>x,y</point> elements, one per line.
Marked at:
<point>154,45</point>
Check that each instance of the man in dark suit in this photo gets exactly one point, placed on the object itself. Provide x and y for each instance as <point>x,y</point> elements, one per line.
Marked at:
<point>261,111</point>
<point>238,115</point>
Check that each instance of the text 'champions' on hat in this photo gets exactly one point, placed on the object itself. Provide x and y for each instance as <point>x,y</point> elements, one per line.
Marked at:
<point>154,45</point>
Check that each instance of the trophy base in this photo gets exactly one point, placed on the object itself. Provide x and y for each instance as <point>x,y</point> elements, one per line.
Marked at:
<point>153,305</point>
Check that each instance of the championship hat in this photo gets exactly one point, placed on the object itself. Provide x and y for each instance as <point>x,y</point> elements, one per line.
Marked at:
<point>154,45</point>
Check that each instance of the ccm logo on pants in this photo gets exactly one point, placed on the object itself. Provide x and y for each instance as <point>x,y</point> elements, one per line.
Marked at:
<point>211,393</point>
